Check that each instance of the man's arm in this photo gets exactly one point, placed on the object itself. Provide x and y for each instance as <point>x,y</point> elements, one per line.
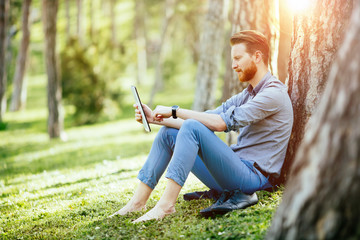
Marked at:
<point>163,116</point>
<point>169,122</point>
<point>213,121</point>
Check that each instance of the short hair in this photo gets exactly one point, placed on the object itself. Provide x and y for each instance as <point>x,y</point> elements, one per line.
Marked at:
<point>254,41</point>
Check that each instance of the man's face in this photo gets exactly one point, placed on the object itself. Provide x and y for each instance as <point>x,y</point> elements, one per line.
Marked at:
<point>242,63</point>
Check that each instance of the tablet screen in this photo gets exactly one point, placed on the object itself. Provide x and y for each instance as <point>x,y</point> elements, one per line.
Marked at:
<point>138,102</point>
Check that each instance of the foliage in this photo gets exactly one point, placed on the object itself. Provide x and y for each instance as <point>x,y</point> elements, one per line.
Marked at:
<point>83,84</point>
<point>3,126</point>
<point>112,67</point>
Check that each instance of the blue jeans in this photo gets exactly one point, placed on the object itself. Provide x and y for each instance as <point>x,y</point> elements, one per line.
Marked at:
<point>197,149</point>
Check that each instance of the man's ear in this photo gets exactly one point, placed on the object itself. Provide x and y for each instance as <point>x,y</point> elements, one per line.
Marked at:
<point>258,56</point>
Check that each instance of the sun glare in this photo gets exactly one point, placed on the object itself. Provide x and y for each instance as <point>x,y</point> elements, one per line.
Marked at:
<point>298,5</point>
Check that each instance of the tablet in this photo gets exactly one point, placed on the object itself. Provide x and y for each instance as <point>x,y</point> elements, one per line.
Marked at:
<point>140,107</point>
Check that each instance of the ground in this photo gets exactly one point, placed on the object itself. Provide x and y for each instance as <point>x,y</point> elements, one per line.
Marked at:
<point>66,190</point>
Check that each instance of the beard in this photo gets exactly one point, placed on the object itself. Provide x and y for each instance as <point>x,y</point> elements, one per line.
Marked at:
<point>248,73</point>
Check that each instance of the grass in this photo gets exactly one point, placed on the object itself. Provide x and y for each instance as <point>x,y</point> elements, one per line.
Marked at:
<point>66,190</point>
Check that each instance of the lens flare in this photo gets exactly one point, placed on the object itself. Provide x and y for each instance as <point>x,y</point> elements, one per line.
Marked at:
<point>298,5</point>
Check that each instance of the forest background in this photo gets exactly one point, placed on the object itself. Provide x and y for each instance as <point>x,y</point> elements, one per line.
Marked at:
<point>67,67</point>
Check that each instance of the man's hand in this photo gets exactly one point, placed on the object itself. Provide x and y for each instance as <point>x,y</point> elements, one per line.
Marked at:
<point>161,112</point>
<point>148,113</point>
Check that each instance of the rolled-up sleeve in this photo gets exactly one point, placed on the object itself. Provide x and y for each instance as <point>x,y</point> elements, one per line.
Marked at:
<point>217,110</point>
<point>261,106</point>
<point>226,108</point>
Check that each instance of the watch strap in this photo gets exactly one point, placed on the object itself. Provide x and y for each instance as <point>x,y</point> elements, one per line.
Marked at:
<point>173,111</point>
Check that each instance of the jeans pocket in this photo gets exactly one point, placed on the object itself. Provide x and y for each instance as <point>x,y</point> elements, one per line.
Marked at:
<point>250,165</point>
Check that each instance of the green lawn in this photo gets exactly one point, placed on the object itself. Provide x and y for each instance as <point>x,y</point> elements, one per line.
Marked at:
<point>66,190</point>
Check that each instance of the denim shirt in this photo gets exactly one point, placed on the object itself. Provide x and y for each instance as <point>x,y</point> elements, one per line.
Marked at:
<point>264,118</point>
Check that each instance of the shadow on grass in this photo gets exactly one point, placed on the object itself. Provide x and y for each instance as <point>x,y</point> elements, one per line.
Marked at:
<point>57,185</point>
<point>76,158</point>
<point>65,184</point>
<point>38,125</point>
<point>10,151</point>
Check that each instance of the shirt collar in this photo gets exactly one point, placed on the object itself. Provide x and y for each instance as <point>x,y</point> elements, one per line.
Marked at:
<point>254,91</point>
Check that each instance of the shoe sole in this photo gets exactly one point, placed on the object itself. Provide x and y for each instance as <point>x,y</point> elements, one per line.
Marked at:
<point>211,214</point>
<point>186,198</point>
<point>222,211</point>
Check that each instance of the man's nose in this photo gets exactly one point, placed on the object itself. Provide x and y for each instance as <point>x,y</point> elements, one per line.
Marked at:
<point>234,65</point>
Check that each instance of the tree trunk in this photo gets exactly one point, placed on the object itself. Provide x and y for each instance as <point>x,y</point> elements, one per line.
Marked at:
<point>231,83</point>
<point>4,11</point>
<point>316,38</point>
<point>55,121</point>
<point>92,17</point>
<point>285,20</point>
<point>113,23</point>
<point>140,36</point>
<point>159,81</point>
<point>68,20</point>
<point>79,20</point>
<point>270,28</point>
<point>321,197</point>
<point>18,99</point>
<point>210,56</point>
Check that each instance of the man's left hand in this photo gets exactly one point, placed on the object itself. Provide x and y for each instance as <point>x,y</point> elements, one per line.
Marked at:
<point>161,112</point>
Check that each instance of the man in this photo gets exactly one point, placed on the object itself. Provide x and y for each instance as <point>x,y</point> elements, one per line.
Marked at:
<point>263,115</point>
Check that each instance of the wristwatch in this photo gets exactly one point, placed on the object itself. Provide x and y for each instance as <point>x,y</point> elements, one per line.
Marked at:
<point>173,110</point>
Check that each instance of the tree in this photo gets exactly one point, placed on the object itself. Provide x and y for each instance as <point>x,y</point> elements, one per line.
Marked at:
<point>91,20</point>
<point>321,197</point>
<point>68,20</point>
<point>18,99</point>
<point>113,23</point>
<point>140,35</point>
<point>210,56</point>
<point>285,20</point>
<point>79,21</point>
<point>170,6</point>
<point>55,120</point>
<point>316,38</point>
<point>4,10</point>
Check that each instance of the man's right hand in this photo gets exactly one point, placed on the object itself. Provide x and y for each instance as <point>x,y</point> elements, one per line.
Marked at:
<point>148,113</point>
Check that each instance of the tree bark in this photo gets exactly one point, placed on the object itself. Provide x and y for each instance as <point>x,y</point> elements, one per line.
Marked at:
<point>269,27</point>
<point>55,120</point>
<point>321,197</point>
<point>285,20</point>
<point>210,56</point>
<point>316,38</point>
<point>4,11</point>
<point>18,99</point>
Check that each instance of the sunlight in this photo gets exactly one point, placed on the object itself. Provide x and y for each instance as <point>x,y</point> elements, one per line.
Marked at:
<point>298,6</point>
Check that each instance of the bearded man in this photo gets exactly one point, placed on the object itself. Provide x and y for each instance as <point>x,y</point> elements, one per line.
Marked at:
<point>263,115</point>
